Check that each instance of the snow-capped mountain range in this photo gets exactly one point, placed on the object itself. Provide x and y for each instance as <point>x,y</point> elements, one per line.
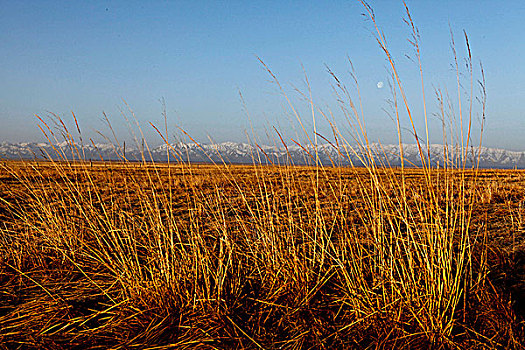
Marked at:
<point>243,153</point>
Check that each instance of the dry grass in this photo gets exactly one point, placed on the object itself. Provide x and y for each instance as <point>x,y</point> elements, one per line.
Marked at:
<point>122,255</point>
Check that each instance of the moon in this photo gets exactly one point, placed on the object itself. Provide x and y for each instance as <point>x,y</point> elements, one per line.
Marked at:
<point>380,85</point>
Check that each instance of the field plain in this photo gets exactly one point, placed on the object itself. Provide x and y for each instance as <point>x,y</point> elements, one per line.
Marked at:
<point>130,255</point>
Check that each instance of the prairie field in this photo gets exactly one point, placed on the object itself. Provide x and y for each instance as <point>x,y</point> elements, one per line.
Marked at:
<point>346,230</point>
<point>133,255</point>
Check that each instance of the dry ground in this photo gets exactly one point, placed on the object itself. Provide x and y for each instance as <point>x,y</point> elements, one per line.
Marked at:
<point>105,255</point>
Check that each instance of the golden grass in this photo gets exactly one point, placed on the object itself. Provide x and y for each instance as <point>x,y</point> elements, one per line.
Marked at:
<point>122,255</point>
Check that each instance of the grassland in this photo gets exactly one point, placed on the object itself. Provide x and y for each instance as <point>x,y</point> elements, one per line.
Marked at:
<point>132,255</point>
<point>121,255</point>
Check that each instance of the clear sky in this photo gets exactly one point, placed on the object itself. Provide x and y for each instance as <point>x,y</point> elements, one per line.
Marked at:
<point>87,56</point>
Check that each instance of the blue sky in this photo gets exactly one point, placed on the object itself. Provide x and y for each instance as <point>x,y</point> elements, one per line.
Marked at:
<point>87,57</point>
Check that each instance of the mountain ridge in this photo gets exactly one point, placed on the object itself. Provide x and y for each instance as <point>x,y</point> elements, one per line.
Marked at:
<point>245,153</point>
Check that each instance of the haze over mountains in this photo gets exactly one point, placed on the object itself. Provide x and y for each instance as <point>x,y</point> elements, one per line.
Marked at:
<point>243,153</point>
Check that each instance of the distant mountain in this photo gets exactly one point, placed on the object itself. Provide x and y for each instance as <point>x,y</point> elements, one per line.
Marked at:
<point>243,153</point>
